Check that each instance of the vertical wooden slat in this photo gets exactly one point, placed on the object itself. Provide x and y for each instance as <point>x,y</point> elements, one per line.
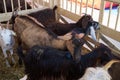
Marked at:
<point>66,4</point>
<point>86,6</point>
<point>62,3</point>
<point>43,2</point>
<point>92,7</point>
<point>71,6</point>
<point>75,6</point>
<point>57,2</point>
<point>4,2</point>
<point>19,5</point>
<point>109,14</point>
<point>51,3</point>
<point>81,7</point>
<point>32,3</point>
<point>12,5</point>
<point>25,5</point>
<point>117,18</point>
<point>101,14</point>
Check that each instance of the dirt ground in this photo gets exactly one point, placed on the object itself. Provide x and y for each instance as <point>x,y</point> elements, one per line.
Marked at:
<point>15,72</point>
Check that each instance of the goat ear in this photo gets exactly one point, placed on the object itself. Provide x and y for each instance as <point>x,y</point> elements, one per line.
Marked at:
<point>13,33</point>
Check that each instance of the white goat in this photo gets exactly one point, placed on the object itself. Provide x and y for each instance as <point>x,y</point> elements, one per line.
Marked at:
<point>24,78</point>
<point>98,73</point>
<point>7,42</point>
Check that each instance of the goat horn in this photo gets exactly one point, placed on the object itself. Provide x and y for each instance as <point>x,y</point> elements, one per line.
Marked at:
<point>108,65</point>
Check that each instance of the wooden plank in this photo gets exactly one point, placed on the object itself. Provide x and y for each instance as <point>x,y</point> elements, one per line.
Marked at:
<point>91,40</point>
<point>63,20</point>
<point>69,14</point>
<point>108,42</point>
<point>115,52</point>
<point>110,33</point>
<point>89,45</point>
<point>85,50</point>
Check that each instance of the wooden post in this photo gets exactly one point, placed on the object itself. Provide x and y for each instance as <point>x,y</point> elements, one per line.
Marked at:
<point>101,14</point>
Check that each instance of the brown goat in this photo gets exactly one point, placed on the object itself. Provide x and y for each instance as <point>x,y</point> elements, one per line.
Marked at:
<point>30,33</point>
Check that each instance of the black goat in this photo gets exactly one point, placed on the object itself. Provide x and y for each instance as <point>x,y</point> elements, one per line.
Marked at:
<point>51,64</point>
<point>47,18</point>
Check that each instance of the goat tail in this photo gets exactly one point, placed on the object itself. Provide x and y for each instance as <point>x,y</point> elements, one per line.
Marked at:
<point>55,7</point>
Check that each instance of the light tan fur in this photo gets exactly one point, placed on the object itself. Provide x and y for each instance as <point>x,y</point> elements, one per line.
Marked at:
<point>32,34</point>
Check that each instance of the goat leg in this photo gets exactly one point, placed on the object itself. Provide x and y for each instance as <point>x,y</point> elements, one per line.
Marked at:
<point>11,52</point>
<point>19,50</point>
<point>5,55</point>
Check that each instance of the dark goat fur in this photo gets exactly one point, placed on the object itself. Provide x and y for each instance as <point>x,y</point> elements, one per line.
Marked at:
<point>15,5</point>
<point>30,32</point>
<point>45,16</point>
<point>45,62</point>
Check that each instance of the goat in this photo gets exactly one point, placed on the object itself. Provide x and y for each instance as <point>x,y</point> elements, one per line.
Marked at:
<point>49,63</point>
<point>15,5</point>
<point>113,68</point>
<point>48,19</point>
<point>7,42</point>
<point>97,73</point>
<point>30,32</point>
<point>109,71</point>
